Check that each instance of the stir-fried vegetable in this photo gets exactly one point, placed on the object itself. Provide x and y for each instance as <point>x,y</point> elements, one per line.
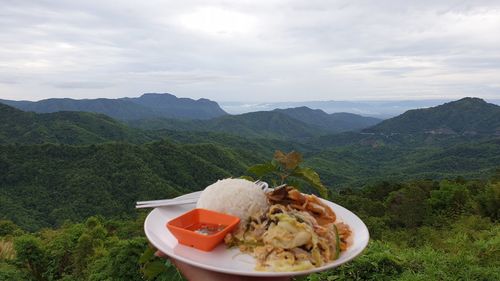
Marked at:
<point>290,238</point>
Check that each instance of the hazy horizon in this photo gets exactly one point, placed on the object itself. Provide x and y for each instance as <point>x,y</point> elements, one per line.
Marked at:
<point>495,99</point>
<point>373,108</point>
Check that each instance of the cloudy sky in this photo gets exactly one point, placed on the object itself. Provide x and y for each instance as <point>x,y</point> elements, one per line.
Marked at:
<point>250,50</point>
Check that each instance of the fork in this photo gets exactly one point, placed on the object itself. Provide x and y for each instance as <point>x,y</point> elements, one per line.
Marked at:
<point>184,199</point>
<point>181,200</point>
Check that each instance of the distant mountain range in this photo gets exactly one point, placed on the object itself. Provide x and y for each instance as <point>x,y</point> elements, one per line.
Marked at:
<point>373,108</point>
<point>157,111</point>
<point>146,106</point>
<point>268,124</point>
<point>70,127</point>
<point>467,116</point>
<point>333,122</point>
<point>292,123</point>
<point>66,127</point>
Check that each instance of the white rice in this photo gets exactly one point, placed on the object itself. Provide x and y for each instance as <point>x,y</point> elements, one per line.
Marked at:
<point>237,197</point>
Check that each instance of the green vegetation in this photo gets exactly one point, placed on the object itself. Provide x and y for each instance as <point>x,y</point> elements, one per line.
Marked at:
<point>62,127</point>
<point>420,230</point>
<point>298,124</point>
<point>262,124</point>
<point>93,250</point>
<point>425,230</point>
<point>285,169</point>
<point>467,116</point>
<point>74,182</point>
<point>44,185</point>
<point>394,158</point>
<point>332,123</point>
<point>69,181</point>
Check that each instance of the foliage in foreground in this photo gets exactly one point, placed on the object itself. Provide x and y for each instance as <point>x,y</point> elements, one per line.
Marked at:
<point>285,168</point>
<point>421,230</point>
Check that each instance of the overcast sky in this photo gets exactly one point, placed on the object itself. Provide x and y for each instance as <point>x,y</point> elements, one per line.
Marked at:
<point>260,51</point>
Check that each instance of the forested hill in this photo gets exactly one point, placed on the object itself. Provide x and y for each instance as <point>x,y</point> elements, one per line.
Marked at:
<point>117,174</point>
<point>43,185</point>
<point>269,124</point>
<point>17,126</point>
<point>146,106</point>
<point>332,123</point>
<point>301,123</point>
<point>169,106</point>
<point>68,127</point>
<point>467,116</point>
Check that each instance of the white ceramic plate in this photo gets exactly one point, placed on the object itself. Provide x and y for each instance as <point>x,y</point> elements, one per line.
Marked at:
<point>232,261</point>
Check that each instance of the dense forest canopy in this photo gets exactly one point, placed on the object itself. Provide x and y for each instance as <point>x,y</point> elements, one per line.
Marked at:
<point>466,116</point>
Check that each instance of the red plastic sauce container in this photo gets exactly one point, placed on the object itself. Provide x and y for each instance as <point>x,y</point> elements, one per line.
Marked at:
<point>202,229</point>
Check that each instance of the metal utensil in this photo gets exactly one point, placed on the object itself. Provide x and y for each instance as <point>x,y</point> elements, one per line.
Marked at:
<point>185,199</point>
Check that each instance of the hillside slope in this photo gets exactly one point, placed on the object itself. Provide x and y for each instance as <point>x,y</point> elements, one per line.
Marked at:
<point>43,185</point>
<point>332,123</point>
<point>467,116</point>
<point>271,124</point>
<point>378,159</point>
<point>17,126</point>
<point>169,106</point>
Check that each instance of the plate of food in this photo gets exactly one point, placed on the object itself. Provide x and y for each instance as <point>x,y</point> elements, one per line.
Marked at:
<point>253,232</point>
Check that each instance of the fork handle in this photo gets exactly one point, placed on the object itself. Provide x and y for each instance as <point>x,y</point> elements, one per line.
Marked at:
<point>171,203</point>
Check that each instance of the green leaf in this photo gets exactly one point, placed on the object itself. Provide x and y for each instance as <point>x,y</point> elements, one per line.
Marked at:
<point>172,272</point>
<point>248,178</point>
<point>295,183</point>
<point>300,278</point>
<point>308,174</point>
<point>261,170</point>
<point>147,255</point>
<point>153,269</point>
<point>276,164</point>
<point>311,177</point>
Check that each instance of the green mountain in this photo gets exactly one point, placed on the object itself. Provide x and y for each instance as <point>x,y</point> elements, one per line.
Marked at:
<point>62,127</point>
<point>261,148</point>
<point>468,116</point>
<point>332,123</point>
<point>355,161</point>
<point>267,124</point>
<point>146,106</point>
<point>169,106</point>
<point>43,185</point>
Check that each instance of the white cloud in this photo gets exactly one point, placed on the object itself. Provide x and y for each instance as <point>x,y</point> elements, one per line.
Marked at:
<point>217,22</point>
<point>250,50</point>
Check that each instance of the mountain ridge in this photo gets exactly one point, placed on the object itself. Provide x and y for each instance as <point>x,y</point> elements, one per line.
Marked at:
<point>67,127</point>
<point>333,122</point>
<point>466,116</point>
<point>294,123</point>
<point>253,124</point>
<point>149,105</point>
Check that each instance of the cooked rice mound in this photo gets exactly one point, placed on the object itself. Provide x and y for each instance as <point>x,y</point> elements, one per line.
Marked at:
<point>237,197</point>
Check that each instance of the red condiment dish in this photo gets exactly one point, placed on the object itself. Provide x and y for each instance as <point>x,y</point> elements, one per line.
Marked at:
<point>184,228</point>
